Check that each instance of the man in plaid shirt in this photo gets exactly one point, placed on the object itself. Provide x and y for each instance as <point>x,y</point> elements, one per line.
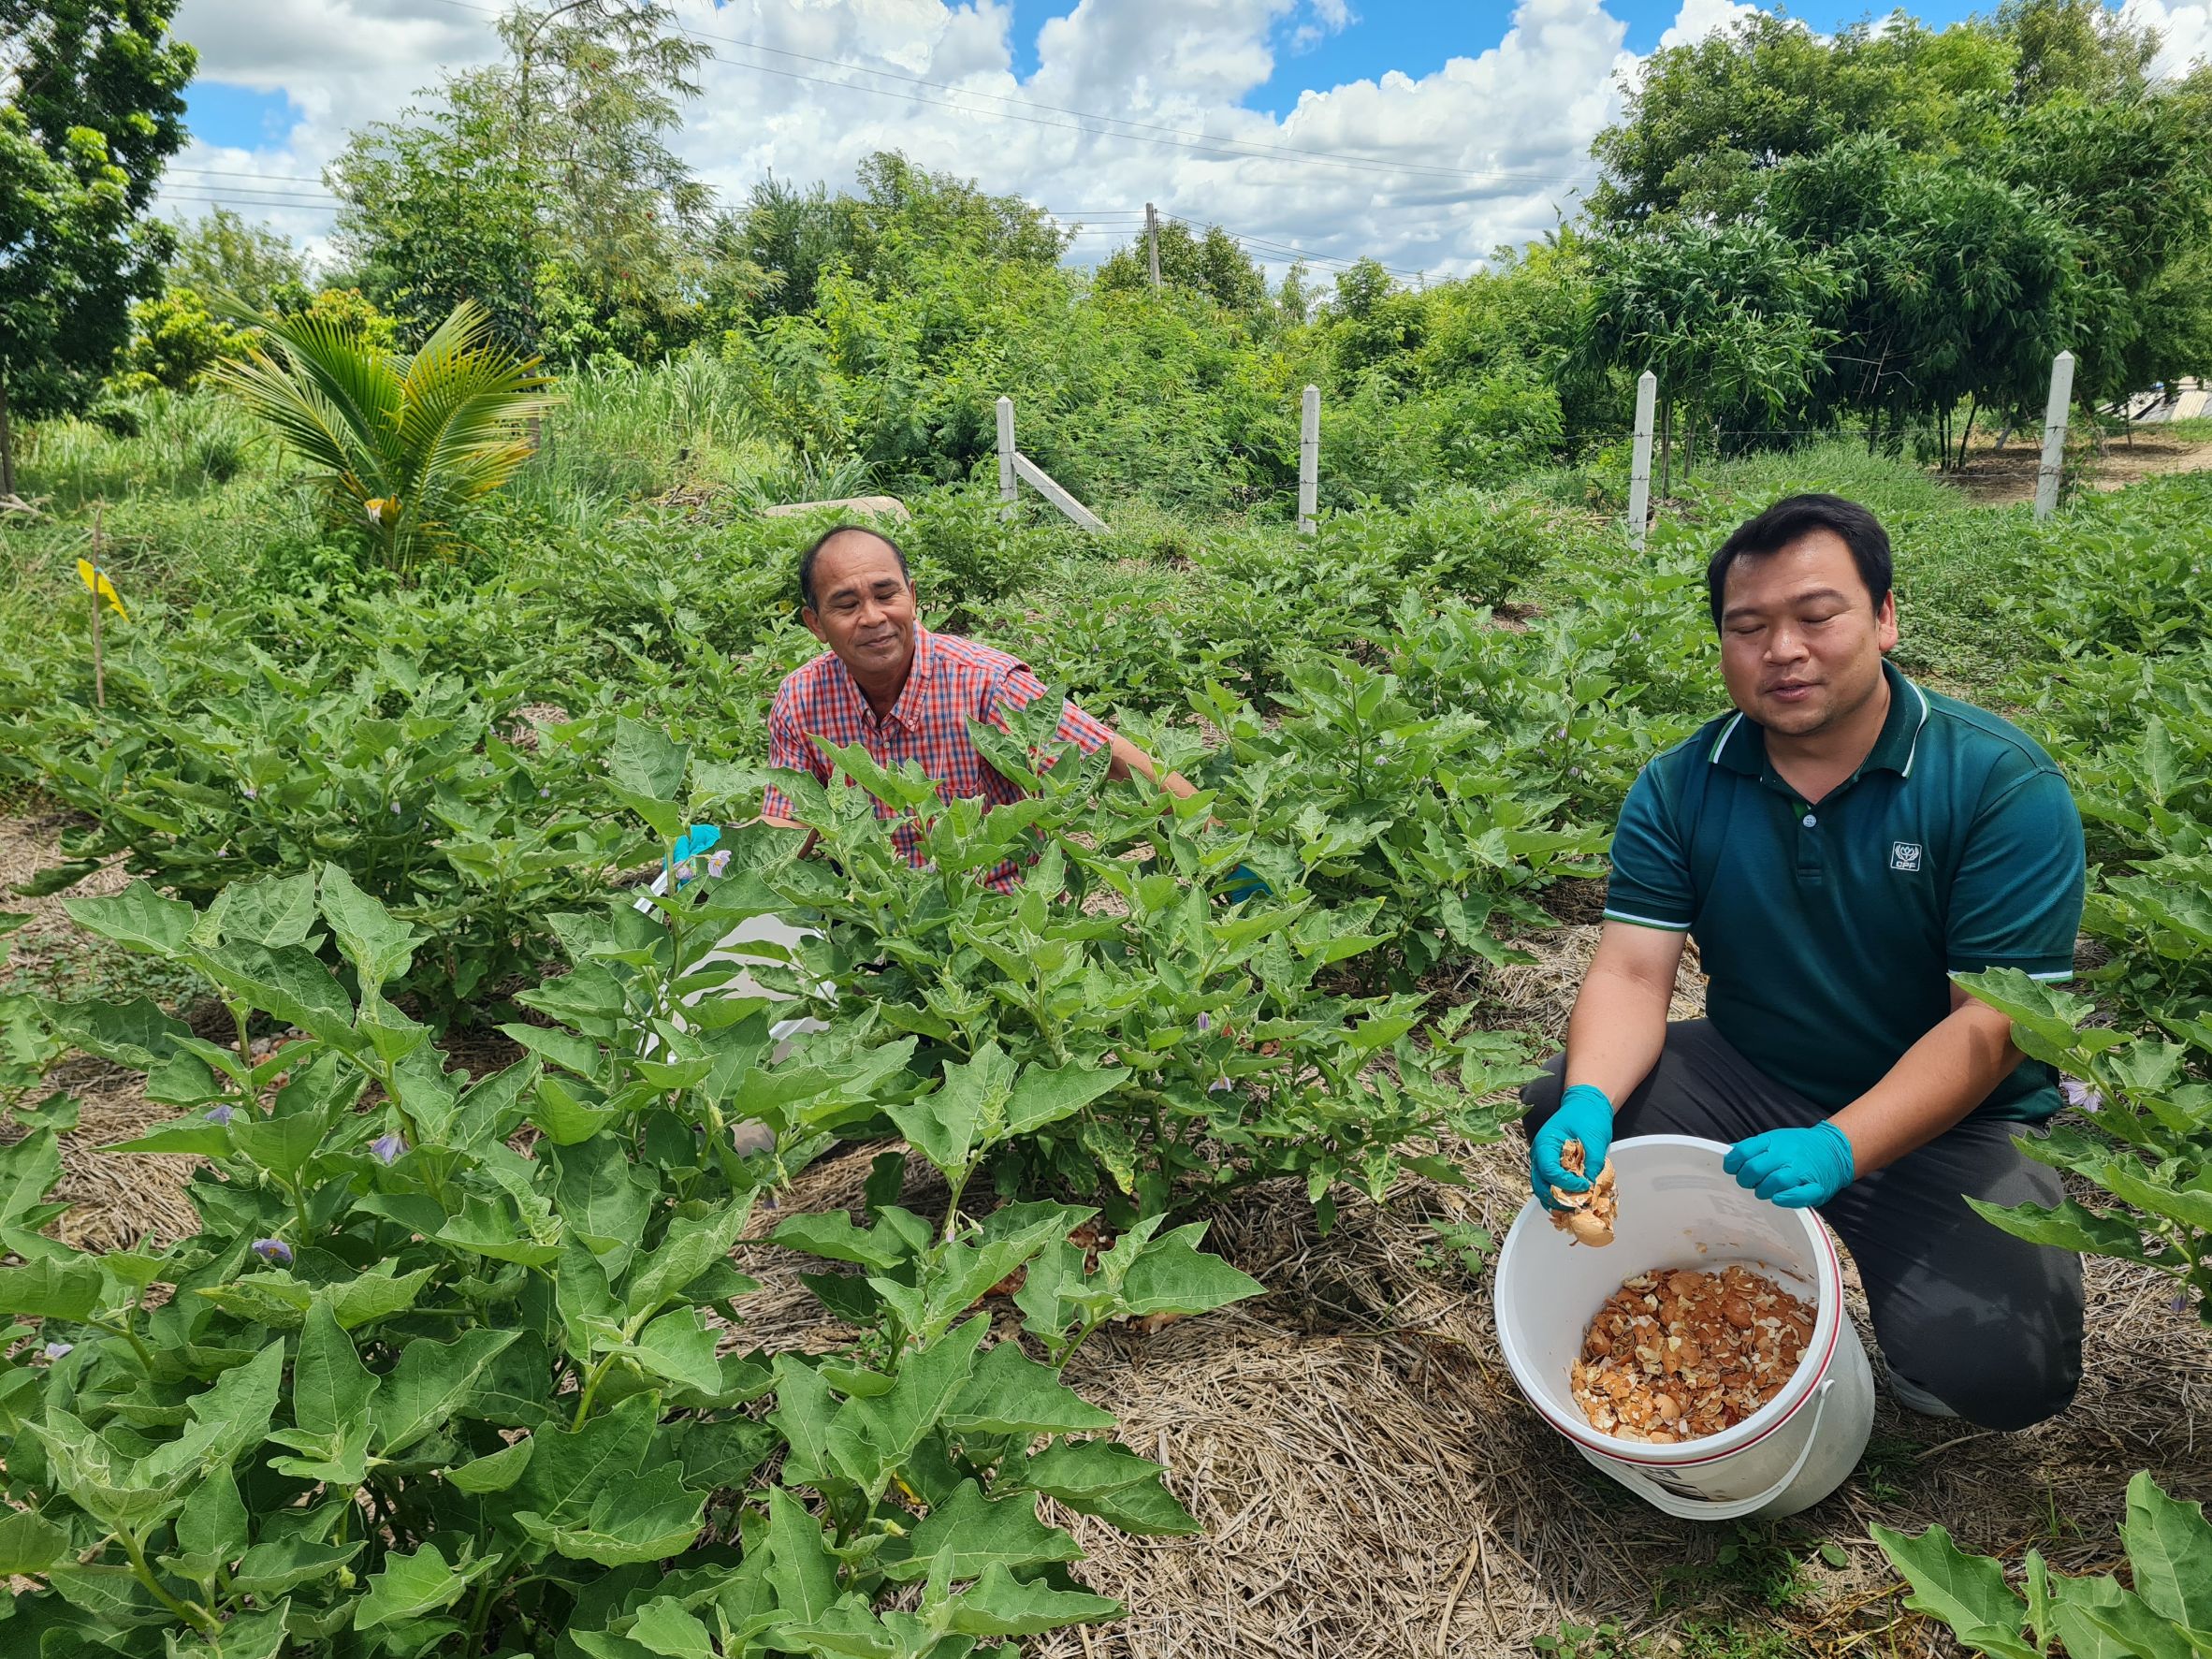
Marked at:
<point>904,694</point>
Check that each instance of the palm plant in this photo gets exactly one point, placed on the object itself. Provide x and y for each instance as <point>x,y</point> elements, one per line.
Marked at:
<point>403,441</point>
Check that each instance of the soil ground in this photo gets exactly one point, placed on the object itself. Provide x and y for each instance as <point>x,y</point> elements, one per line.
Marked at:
<point>1994,477</point>
<point>1371,1483</point>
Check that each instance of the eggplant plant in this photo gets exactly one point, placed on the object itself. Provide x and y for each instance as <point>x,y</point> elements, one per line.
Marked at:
<point>453,1364</point>
<point>2167,1611</point>
<point>1228,1050</point>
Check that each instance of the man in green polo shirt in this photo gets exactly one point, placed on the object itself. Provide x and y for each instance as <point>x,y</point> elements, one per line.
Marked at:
<point>1839,846</point>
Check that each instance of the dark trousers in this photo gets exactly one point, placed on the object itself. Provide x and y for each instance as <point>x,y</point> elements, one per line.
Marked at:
<point>1987,1323</point>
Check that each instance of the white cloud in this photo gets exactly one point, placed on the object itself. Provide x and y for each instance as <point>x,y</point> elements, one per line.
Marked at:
<point>1699,18</point>
<point>1490,147</point>
<point>2185,31</point>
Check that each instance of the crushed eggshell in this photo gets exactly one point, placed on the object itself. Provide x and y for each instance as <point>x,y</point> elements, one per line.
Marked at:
<point>1585,1217</point>
<point>1678,1356</point>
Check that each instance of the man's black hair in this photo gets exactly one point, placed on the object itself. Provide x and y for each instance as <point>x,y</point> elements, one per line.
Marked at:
<point>830,534</point>
<point>1793,517</point>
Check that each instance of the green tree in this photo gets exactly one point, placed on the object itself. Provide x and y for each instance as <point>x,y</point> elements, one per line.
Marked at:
<point>2079,46</point>
<point>93,108</point>
<point>1707,122</point>
<point>1211,264</point>
<point>557,156</point>
<point>175,340</point>
<point>221,253</point>
<point>1728,317</point>
<point>404,442</point>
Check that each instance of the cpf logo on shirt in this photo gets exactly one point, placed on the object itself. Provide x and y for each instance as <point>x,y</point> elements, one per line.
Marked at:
<point>1904,855</point>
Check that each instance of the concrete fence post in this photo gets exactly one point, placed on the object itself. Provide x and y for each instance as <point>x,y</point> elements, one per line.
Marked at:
<point>1309,461</point>
<point>2054,435</point>
<point>1006,488</point>
<point>1639,465</point>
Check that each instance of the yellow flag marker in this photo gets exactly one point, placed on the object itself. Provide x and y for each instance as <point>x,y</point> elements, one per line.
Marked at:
<point>96,580</point>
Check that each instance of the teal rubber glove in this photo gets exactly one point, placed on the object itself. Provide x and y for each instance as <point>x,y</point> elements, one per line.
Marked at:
<point>1245,882</point>
<point>1797,1169</point>
<point>1584,1114</point>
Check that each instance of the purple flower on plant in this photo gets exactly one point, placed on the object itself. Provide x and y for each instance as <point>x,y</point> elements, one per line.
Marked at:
<point>273,1250</point>
<point>222,1114</point>
<point>389,1147</point>
<point>395,808</point>
<point>1205,1021</point>
<point>1217,1085</point>
<point>2177,1303</point>
<point>56,1350</point>
<point>2079,1094</point>
<point>253,794</point>
<point>544,795</point>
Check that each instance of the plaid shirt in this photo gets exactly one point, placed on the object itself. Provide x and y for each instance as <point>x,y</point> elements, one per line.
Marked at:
<point>953,680</point>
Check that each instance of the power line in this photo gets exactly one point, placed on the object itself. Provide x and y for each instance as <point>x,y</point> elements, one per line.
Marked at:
<point>222,173</point>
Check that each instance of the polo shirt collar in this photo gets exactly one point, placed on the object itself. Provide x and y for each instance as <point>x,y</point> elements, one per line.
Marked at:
<point>1742,745</point>
<point>905,711</point>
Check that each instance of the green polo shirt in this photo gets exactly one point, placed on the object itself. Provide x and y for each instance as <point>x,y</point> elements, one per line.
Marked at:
<point>1828,930</point>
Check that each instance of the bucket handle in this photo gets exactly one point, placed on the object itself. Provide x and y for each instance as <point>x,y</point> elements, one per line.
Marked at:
<point>1718,1509</point>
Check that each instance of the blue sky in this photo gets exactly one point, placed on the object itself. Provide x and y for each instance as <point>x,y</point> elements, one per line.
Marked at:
<point>1413,35</point>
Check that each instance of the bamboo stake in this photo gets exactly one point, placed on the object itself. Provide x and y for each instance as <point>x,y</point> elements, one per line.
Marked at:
<point>99,672</point>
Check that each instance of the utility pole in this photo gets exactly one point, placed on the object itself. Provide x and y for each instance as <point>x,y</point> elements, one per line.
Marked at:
<point>1152,241</point>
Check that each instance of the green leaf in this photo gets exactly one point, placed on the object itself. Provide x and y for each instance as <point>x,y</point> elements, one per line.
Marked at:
<point>943,1125</point>
<point>634,1520</point>
<point>693,1246</point>
<point>213,1523</point>
<point>421,1391</point>
<point>273,1568</point>
<point>1077,1470</point>
<point>565,1119</point>
<point>51,1288</point>
<point>330,1386</point>
<point>288,984</point>
<point>1968,1593</point>
<point>604,1199</point>
<point>377,1294</point>
<point>570,1469</point>
<point>663,1627</point>
<point>1042,1097</point>
<point>367,935</point>
<point>804,1415</point>
<point>969,1534</point>
<point>2097,1619</point>
<point>800,1568</point>
<point>1010,1393</point>
<point>229,1418</point>
<point>871,1436</point>
<point>646,760</point>
<point>138,919</point>
<point>135,1033</point>
<point>1172,1276</point>
<point>412,1584</point>
<point>2070,1227</point>
<point>833,1236</point>
<point>2170,1549</point>
<point>495,1229</point>
<point>495,1472</point>
<point>1000,1605</point>
<point>679,1346</point>
<point>29,1543</point>
<point>275,911</point>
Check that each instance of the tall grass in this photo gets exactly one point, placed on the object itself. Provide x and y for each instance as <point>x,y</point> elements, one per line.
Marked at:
<point>168,443</point>
<point>625,433</point>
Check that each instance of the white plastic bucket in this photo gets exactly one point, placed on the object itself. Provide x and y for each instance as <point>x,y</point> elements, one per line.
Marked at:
<point>1678,1209</point>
